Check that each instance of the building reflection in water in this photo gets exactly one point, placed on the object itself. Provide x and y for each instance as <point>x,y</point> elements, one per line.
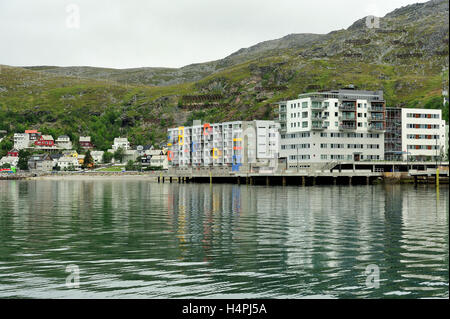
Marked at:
<point>282,240</point>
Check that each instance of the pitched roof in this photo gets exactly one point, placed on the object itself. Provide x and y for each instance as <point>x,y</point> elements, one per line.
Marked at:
<point>56,156</point>
<point>40,157</point>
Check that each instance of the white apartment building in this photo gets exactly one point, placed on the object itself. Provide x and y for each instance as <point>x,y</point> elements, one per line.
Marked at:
<point>66,163</point>
<point>64,142</point>
<point>333,126</point>
<point>423,135</point>
<point>251,144</point>
<point>21,141</point>
<point>97,156</point>
<point>121,142</point>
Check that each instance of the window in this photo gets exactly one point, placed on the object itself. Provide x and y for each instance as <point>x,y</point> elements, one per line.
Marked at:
<point>323,145</point>
<point>305,124</point>
<point>359,105</point>
<point>359,124</point>
<point>359,114</point>
<point>304,105</point>
<point>323,157</point>
<point>322,134</point>
<point>336,114</point>
<point>304,114</point>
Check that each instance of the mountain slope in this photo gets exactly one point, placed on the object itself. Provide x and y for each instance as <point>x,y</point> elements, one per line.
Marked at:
<point>407,57</point>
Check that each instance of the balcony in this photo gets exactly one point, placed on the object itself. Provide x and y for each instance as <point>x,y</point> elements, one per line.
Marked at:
<point>376,128</point>
<point>347,117</point>
<point>281,110</point>
<point>318,118</point>
<point>347,106</point>
<point>317,126</point>
<point>317,105</point>
<point>347,126</point>
<point>377,117</point>
<point>376,107</point>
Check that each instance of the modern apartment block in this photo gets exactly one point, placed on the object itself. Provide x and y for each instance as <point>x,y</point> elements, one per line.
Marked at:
<point>21,141</point>
<point>238,145</point>
<point>415,134</point>
<point>339,125</point>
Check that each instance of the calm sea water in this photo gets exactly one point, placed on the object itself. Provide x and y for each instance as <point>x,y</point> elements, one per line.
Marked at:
<point>136,239</point>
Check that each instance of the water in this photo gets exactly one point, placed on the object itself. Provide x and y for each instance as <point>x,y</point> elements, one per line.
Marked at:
<point>135,239</point>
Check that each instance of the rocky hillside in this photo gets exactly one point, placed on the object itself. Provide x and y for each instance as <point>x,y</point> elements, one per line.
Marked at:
<point>406,56</point>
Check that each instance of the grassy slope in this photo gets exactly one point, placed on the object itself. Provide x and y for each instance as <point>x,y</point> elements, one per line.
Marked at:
<point>68,105</point>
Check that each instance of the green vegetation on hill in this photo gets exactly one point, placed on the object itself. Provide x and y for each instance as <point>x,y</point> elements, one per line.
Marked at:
<point>407,58</point>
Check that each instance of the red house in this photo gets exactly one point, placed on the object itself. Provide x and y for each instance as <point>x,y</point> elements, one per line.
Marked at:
<point>34,134</point>
<point>13,153</point>
<point>45,140</point>
<point>85,142</point>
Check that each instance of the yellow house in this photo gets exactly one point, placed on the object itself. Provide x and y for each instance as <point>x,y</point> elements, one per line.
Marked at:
<point>81,159</point>
<point>70,153</point>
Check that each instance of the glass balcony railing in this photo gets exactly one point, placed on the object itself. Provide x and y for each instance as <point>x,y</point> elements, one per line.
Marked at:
<point>347,127</point>
<point>376,127</point>
<point>376,117</point>
<point>317,126</point>
<point>317,105</point>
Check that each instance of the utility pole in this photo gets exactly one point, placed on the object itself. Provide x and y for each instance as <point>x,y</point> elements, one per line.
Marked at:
<point>437,167</point>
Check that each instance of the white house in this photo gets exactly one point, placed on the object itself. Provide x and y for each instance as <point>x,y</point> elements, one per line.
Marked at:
<point>121,142</point>
<point>64,142</point>
<point>158,158</point>
<point>97,156</point>
<point>21,141</point>
<point>65,163</point>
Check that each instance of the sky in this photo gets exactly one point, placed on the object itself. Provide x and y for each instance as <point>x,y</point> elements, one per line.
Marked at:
<point>166,33</point>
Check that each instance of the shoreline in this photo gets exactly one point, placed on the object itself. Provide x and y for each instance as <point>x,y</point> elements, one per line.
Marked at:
<point>94,177</point>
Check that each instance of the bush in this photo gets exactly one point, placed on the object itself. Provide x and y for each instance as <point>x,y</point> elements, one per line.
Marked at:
<point>153,168</point>
<point>107,157</point>
<point>119,154</point>
<point>6,165</point>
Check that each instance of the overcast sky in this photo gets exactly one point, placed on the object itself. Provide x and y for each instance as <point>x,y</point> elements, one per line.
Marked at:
<point>169,33</point>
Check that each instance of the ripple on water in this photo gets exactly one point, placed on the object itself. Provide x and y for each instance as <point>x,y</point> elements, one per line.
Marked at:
<point>134,239</point>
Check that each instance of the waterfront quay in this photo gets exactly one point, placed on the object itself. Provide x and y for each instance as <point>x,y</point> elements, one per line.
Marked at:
<point>339,173</point>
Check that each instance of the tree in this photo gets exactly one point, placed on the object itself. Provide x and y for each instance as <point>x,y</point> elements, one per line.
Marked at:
<point>24,156</point>
<point>107,157</point>
<point>119,154</point>
<point>130,166</point>
<point>88,160</point>
<point>5,146</point>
